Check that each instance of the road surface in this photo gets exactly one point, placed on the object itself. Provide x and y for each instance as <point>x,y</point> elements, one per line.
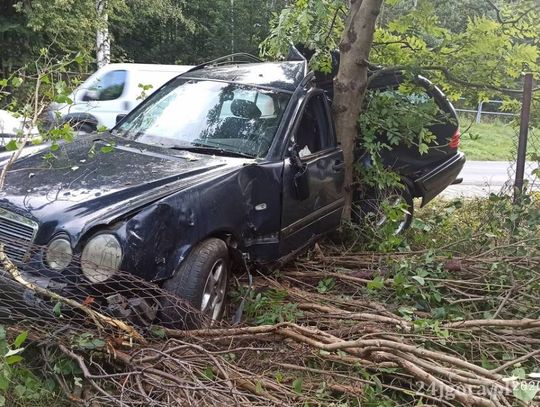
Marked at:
<point>480,178</point>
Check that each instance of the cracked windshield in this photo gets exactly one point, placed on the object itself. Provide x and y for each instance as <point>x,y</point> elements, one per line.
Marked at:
<point>205,115</point>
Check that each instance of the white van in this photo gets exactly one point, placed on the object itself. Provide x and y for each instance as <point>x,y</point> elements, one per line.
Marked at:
<point>14,128</point>
<point>114,89</point>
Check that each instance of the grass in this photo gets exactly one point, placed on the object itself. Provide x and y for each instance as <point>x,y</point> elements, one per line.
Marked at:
<point>494,141</point>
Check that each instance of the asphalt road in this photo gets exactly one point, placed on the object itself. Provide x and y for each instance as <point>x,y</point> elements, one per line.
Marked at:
<point>480,178</point>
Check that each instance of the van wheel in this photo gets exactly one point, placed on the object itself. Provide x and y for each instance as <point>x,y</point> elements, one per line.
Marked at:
<point>374,208</point>
<point>84,128</point>
<point>202,279</point>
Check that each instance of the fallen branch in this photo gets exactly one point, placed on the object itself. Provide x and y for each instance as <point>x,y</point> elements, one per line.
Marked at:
<point>96,316</point>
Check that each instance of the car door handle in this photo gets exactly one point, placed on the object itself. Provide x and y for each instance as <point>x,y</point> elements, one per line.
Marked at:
<point>338,165</point>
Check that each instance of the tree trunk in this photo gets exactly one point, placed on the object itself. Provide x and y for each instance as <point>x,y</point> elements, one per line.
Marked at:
<point>103,44</point>
<point>351,82</point>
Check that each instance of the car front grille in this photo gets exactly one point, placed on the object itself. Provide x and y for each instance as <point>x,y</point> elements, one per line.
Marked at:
<point>17,234</point>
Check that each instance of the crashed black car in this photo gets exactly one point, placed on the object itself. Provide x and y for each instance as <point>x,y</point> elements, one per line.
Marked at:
<point>230,162</point>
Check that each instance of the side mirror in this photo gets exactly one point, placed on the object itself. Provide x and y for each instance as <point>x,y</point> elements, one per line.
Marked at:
<point>120,117</point>
<point>90,95</point>
<point>300,179</point>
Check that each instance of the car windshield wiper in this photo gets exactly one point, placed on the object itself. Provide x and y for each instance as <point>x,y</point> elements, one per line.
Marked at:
<point>205,148</point>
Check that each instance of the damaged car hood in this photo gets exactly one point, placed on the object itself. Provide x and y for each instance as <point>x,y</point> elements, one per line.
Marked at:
<point>83,184</point>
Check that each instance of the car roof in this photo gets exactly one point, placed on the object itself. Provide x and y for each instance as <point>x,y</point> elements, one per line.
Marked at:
<point>147,67</point>
<point>283,76</point>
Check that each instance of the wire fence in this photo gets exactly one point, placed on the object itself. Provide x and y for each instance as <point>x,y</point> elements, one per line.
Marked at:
<point>523,169</point>
<point>485,110</point>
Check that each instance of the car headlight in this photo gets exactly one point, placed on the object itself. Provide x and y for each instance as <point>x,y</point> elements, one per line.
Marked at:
<point>58,254</point>
<point>101,258</point>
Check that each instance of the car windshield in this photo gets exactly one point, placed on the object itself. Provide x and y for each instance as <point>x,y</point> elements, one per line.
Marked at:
<point>204,114</point>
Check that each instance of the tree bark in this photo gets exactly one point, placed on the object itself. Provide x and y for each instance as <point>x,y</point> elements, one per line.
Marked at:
<point>351,82</point>
<point>103,44</point>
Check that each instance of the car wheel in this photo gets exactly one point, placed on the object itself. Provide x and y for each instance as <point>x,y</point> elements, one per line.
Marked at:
<point>202,279</point>
<point>374,207</point>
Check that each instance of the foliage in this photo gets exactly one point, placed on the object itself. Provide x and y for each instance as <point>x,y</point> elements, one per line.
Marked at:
<point>19,384</point>
<point>316,24</point>
<point>268,307</point>
<point>146,31</point>
<point>391,119</point>
<point>27,92</point>
<point>486,51</point>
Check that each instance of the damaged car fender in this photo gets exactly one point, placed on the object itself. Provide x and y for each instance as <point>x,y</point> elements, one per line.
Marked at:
<point>172,226</point>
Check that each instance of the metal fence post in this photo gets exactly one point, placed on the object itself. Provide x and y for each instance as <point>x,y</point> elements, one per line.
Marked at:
<point>523,134</point>
<point>479,112</point>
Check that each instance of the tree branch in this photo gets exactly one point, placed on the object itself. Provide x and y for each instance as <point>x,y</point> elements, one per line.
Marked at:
<point>449,75</point>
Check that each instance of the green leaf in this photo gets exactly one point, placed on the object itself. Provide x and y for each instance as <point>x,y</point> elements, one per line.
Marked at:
<point>16,82</point>
<point>157,331</point>
<point>419,279</point>
<point>107,149</point>
<point>2,333</point>
<point>519,373</point>
<point>423,148</point>
<point>57,309</point>
<point>4,382</point>
<point>209,373</point>
<point>20,339</point>
<point>12,145</point>
<point>525,392</point>
<point>11,360</point>
<point>259,388</point>
<point>486,364</point>
<point>2,401</point>
<point>376,284</point>
<point>79,58</point>
<point>20,390</point>
<point>297,386</point>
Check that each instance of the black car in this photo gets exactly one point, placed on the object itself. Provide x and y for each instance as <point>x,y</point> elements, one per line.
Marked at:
<point>230,162</point>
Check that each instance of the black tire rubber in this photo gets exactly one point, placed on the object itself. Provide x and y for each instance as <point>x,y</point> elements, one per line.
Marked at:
<point>371,204</point>
<point>188,284</point>
<point>84,127</point>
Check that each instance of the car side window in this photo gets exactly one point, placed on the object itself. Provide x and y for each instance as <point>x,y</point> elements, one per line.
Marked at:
<point>111,85</point>
<point>314,132</point>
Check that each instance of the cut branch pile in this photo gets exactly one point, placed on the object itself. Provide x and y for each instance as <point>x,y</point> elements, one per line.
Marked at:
<point>334,345</point>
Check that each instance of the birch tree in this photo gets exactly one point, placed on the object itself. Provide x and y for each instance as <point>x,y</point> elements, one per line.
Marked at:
<point>103,43</point>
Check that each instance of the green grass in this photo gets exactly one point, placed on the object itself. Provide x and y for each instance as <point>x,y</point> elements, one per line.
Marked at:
<point>494,141</point>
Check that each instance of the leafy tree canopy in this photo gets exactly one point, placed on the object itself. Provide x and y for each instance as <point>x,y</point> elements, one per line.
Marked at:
<point>472,48</point>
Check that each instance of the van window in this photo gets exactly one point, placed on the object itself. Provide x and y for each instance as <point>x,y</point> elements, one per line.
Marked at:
<point>110,86</point>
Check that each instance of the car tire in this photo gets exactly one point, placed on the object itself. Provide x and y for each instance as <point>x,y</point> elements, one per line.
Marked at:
<point>371,206</point>
<point>202,279</point>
